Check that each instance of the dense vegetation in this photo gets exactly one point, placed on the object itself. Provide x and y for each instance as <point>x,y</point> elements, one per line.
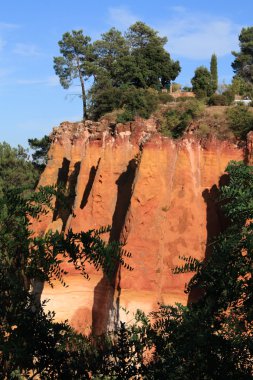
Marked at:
<point>121,66</point>
<point>40,149</point>
<point>31,343</point>
<point>176,120</point>
<point>16,169</point>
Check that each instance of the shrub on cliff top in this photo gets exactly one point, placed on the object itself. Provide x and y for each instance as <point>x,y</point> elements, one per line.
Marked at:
<point>240,120</point>
<point>165,98</point>
<point>139,102</point>
<point>176,120</point>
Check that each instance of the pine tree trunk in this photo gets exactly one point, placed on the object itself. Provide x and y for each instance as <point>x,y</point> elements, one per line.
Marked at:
<point>83,89</point>
<point>83,97</point>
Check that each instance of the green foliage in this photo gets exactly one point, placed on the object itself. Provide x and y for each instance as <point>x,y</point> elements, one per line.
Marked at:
<point>229,95</point>
<point>30,342</point>
<point>241,87</point>
<point>202,82</point>
<point>118,64</point>
<point>178,119</point>
<point>240,120</point>
<point>243,63</point>
<point>164,98</point>
<point>75,61</point>
<point>176,87</point>
<point>134,62</point>
<point>187,88</point>
<point>41,148</point>
<point>103,98</point>
<point>125,116</point>
<point>109,52</point>
<point>203,131</point>
<point>237,195</point>
<point>176,122</point>
<point>134,101</point>
<point>214,73</point>
<point>224,99</point>
<point>15,168</point>
<point>191,265</point>
<point>154,63</point>
<point>123,358</point>
<point>217,100</point>
<point>139,102</point>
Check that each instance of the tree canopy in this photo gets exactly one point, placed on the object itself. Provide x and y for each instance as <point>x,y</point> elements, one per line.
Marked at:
<point>74,62</point>
<point>31,343</point>
<point>16,170</point>
<point>117,62</point>
<point>202,82</point>
<point>243,63</point>
<point>41,148</point>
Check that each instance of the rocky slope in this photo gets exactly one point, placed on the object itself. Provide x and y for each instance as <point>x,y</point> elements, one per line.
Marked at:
<point>157,194</point>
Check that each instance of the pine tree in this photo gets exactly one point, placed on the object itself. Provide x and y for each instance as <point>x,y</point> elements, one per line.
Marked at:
<point>75,61</point>
<point>243,63</point>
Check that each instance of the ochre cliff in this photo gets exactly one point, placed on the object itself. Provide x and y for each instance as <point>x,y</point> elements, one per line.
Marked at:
<point>157,194</point>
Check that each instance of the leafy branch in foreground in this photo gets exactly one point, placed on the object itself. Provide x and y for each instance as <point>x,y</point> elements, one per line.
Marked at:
<point>31,344</point>
<point>191,265</point>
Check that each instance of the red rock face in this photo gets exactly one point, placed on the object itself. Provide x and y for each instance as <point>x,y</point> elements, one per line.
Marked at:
<point>159,197</point>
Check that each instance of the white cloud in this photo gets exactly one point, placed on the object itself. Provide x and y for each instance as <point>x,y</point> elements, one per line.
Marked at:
<point>50,81</point>
<point>5,25</point>
<point>197,36</point>
<point>121,17</point>
<point>28,50</point>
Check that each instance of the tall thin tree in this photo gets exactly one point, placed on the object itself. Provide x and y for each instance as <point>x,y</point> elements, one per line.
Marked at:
<point>214,72</point>
<point>75,61</point>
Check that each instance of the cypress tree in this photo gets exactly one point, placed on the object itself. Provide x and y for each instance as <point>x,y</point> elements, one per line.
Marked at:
<point>214,72</point>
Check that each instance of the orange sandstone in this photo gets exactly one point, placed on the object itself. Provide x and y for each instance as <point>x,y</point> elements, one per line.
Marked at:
<point>159,197</point>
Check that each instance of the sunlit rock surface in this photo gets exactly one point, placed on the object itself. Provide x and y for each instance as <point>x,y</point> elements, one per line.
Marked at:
<point>159,197</point>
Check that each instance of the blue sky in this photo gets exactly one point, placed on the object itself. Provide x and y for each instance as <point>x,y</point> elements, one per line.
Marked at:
<point>31,99</point>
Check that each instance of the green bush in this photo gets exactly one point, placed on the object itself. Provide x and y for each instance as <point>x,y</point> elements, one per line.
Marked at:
<point>164,98</point>
<point>217,100</point>
<point>224,99</point>
<point>240,120</point>
<point>181,99</point>
<point>229,95</point>
<point>203,131</point>
<point>178,119</point>
<point>125,116</point>
<point>194,108</point>
<point>103,99</point>
<point>139,102</point>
